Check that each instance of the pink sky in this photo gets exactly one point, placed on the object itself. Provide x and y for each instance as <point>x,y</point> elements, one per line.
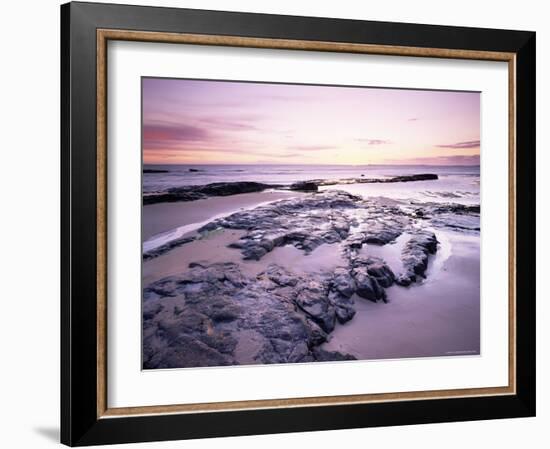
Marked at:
<point>188,121</point>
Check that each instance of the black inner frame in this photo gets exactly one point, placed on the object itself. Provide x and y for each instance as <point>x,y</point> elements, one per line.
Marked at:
<point>79,422</point>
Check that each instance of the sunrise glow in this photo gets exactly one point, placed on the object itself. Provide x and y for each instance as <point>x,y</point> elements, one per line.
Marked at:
<point>219,122</point>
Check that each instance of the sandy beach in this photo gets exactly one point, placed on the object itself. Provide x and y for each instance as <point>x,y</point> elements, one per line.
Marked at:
<point>162,217</point>
<point>293,277</point>
<point>438,317</point>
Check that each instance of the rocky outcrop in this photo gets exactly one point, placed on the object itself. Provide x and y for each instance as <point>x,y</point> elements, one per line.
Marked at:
<point>454,216</point>
<point>172,244</point>
<point>376,235</point>
<point>336,217</point>
<point>193,193</point>
<point>308,222</point>
<point>322,355</point>
<point>304,186</point>
<point>372,276</point>
<point>415,256</point>
<point>154,170</point>
<point>367,287</point>
<point>363,180</point>
<point>412,178</point>
<point>211,315</point>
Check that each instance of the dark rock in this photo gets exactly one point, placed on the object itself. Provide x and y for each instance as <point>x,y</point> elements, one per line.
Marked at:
<point>150,309</point>
<point>344,305</point>
<point>196,318</point>
<point>411,178</point>
<point>281,277</point>
<point>343,282</point>
<point>232,188</point>
<point>307,223</point>
<point>363,180</point>
<point>306,241</point>
<point>381,236</point>
<point>313,300</point>
<point>321,355</point>
<point>252,251</point>
<point>356,241</point>
<point>457,209</point>
<point>162,288</point>
<point>299,353</point>
<point>415,256</point>
<point>367,286</point>
<point>193,193</point>
<point>159,251</point>
<point>344,314</point>
<point>304,186</point>
<point>459,222</point>
<point>374,232</point>
<point>184,352</point>
<point>316,335</point>
<point>151,170</point>
<point>377,269</point>
<point>454,216</point>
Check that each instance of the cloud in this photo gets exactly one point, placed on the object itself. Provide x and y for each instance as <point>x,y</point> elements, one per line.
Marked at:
<point>251,101</point>
<point>286,98</point>
<point>206,131</point>
<point>167,135</point>
<point>461,145</point>
<point>310,147</point>
<point>374,141</point>
<point>281,155</point>
<point>236,124</point>
<point>440,160</point>
<point>196,150</point>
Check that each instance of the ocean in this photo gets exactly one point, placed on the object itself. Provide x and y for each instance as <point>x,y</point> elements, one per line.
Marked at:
<point>458,184</point>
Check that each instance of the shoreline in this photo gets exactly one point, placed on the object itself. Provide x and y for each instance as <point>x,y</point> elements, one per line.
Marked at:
<point>188,193</point>
<point>438,317</point>
<point>163,217</point>
<point>303,262</point>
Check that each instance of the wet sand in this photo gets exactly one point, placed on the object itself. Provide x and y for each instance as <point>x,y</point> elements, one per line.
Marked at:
<point>209,249</point>
<point>162,217</point>
<point>439,317</point>
<point>213,249</point>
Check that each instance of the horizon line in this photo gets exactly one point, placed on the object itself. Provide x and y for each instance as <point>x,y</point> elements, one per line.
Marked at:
<point>328,165</point>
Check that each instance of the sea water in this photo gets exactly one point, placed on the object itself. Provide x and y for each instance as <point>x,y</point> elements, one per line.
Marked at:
<point>456,184</point>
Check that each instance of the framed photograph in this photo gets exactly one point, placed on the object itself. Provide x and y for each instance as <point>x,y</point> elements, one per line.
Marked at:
<point>279,224</point>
